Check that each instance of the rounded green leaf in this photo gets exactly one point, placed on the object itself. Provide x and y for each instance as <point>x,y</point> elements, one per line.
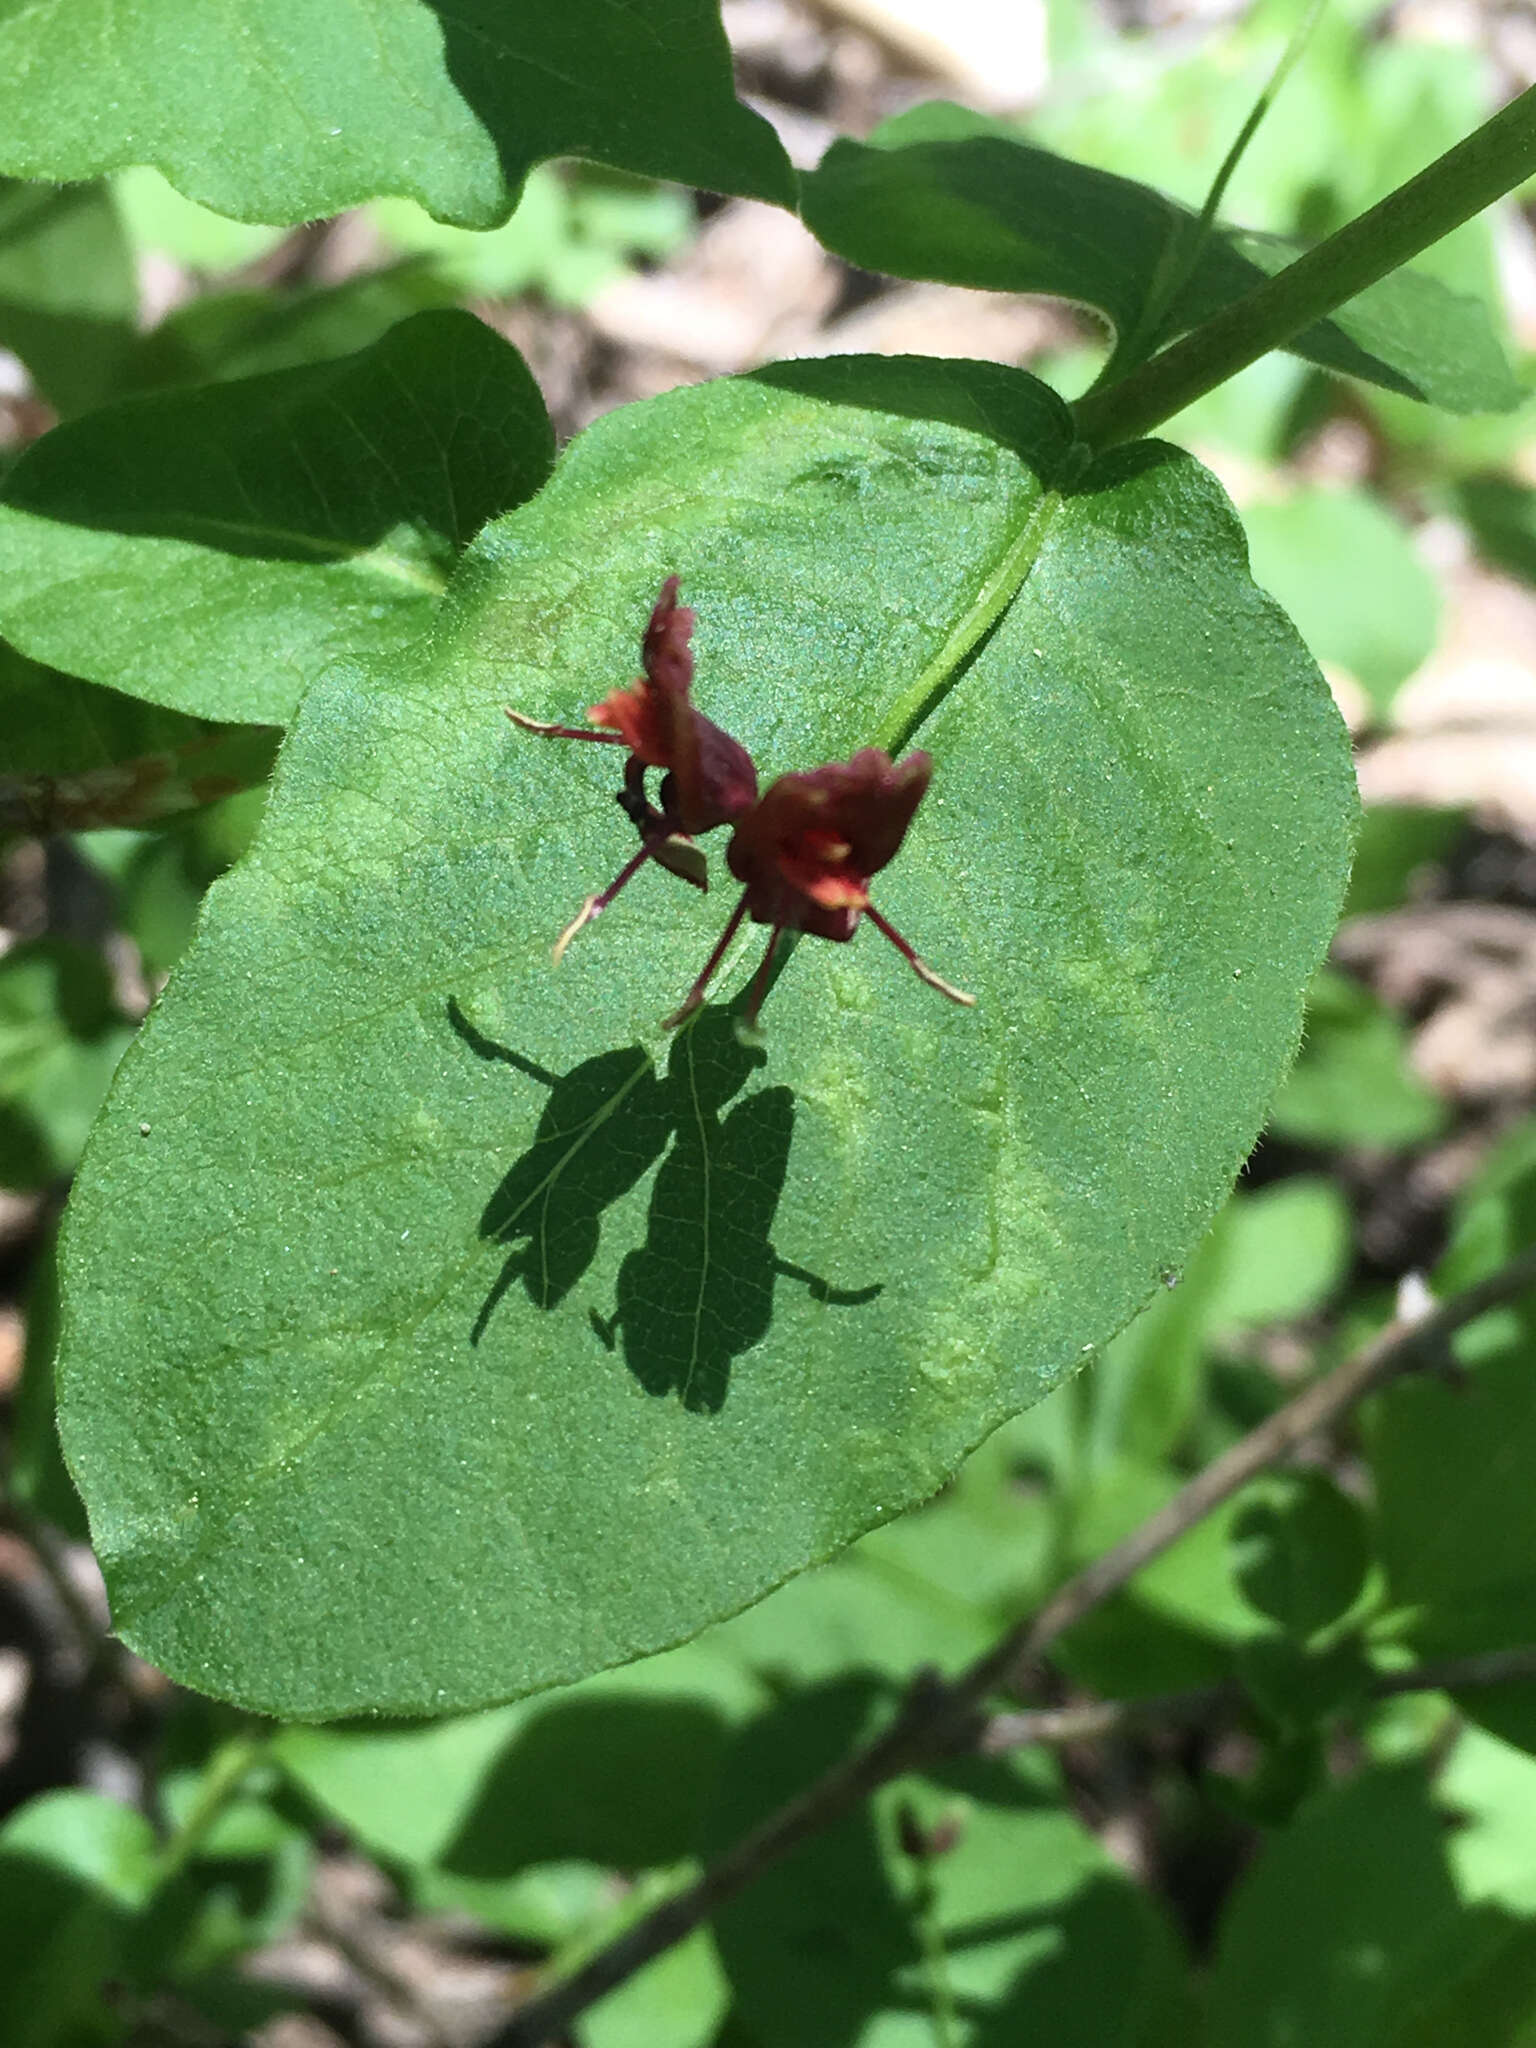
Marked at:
<point>454,1331</point>
<point>303,107</point>
<point>211,550</point>
<point>1300,1551</point>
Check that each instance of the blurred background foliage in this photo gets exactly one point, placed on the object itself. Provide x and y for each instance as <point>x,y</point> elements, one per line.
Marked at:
<point>1291,1849</point>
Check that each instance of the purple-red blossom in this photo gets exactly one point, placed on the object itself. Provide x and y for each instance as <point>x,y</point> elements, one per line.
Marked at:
<point>708,777</point>
<point>807,852</point>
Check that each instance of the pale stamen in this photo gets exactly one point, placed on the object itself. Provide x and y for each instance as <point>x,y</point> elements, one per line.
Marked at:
<point>564,732</point>
<point>919,967</point>
<point>596,905</point>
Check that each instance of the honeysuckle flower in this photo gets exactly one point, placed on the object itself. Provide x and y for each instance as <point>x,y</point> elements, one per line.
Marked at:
<point>708,778</point>
<point>806,854</point>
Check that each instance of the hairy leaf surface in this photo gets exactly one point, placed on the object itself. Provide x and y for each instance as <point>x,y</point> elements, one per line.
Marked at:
<point>212,550</point>
<point>302,107</point>
<point>490,1335</point>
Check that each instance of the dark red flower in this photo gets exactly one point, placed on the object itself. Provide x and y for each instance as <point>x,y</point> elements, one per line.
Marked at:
<point>806,854</point>
<point>708,777</point>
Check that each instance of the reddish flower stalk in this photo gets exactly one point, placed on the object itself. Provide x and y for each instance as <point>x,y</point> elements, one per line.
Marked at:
<point>708,777</point>
<point>806,854</point>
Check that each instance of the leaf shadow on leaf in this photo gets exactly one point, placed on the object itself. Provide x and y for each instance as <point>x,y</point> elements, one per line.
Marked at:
<point>699,1291</point>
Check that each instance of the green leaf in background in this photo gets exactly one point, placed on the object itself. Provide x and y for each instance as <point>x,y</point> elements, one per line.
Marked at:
<point>1287,1250</point>
<point>678,2001</point>
<point>1456,1519</point>
<point>1180,1618</point>
<point>160,878</point>
<point>213,550</point>
<point>1146,1388</point>
<point>245,333</point>
<point>1477,1988</point>
<point>1020,1928</point>
<point>1398,848</point>
<point>69,298</point>
<point>1352,1084</point>
<point>1300,1551</point>
<point>35,1474</point>
<point>1501,513</point>
<point>285,115</point>
<point>156,217</point>
<point>414,1376</point>
<point>76,1869</point>
<point>61,1035</point>
<point>75,756</point>
<point>1330,1934</point>
<point>1349,575</point>
<point>946,194</point>
<point>571,234</point>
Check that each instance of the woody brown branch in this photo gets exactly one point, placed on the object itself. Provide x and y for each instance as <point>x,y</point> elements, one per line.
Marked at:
<point>937,1715</point>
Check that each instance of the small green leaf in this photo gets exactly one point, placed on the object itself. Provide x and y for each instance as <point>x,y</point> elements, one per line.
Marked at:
<point>69,299</point>
<point>213,550</point>
<point>61,1036</point>
<point>1287,1250</point>
<point>283,115</point>
<point>75,1870</point>
<point>1398,846</point>
<point>1456,1520</point>
<point>1352,1084</point>
<point>1299,1551</point>
<point>946,194</point>
<point>472,1275</point>
<point>1349,575</point>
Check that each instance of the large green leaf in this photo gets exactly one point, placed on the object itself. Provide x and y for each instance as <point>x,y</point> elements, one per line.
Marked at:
<point>307,106</point>
<point>947,194</point>
<point>213,550</point>
<point>491,1336</point>
<point>69,298</point>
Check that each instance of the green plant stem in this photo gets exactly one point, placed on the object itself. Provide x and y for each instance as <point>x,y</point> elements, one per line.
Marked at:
<point>1188,237</point>
<point>1490,162</point>
<point>231,1765</point>
<point>938,1715</point>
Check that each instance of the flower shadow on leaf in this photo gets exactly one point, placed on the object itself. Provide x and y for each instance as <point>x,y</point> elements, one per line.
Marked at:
<point>699,1291</point>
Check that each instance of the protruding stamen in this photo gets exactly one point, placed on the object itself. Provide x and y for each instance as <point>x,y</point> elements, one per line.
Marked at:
<point>596,905</point>
<point>563,732</point>
<point>585,915</point>
<point>919,967</point>
<point>695,995</point>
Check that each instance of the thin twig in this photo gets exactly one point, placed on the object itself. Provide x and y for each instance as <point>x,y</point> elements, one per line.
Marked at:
<point>1094,1719</point>
<point>936,1715</point>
